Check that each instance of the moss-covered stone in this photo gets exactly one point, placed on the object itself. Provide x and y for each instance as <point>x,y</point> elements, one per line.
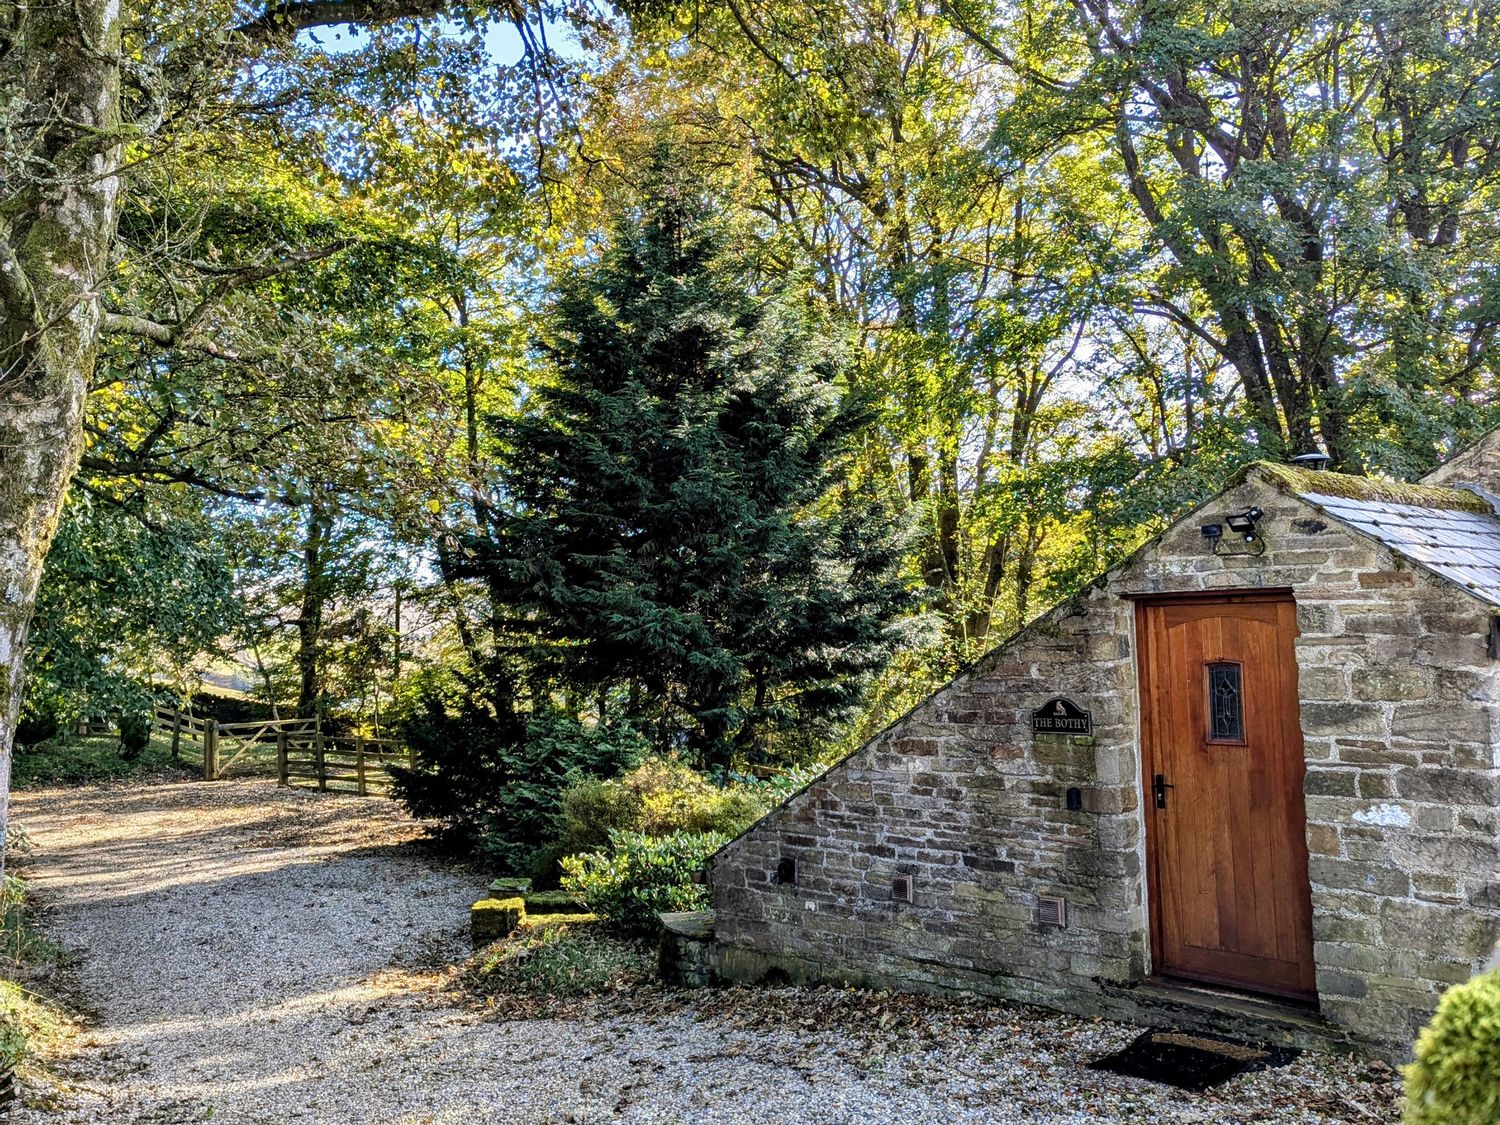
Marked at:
<point>507,887</point>
<point>532,921</point>
<point>492,918</point>
<point>553,902</point>
<point>1301,482</point>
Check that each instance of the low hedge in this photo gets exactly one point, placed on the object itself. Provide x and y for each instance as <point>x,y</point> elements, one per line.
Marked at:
<point>1455,1079</point>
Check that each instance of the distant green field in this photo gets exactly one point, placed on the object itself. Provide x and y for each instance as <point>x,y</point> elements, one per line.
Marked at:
<point>80,760</point>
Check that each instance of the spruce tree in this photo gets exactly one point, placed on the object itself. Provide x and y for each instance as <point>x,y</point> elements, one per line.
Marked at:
<point>675,531</point>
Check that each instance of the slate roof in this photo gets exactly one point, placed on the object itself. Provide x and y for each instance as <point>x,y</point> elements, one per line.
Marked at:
<point>1462,546</point>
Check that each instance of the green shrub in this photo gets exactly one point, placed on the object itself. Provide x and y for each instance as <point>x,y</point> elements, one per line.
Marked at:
<point>135,734</point>
<point>494,776</point>
<point>67,760</point>
<point>592,808</point>
<point>1455,1079</point>
<point>39,722</point>
<point>639,876</point>
<point>657,798</point>
<point>26,1019</point>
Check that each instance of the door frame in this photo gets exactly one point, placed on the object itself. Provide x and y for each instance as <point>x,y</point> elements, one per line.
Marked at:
<point>1142,603</point>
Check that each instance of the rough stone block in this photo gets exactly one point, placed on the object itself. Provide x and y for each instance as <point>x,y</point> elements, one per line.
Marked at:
<point>1435,930</point>
<point>1343,719</point>
<point>1376,784</point>
<point>1386,579</point>
<point>1435,818</point>
<point>1371,878</point>
<point>508,887</point>
<point>1448,786</point>
<point>493,918</point>
<point>1323,839</point>
<point>1322,683</point>
<point>1377,684</point>
<point>1331,783</point>
<point>1332,982</point>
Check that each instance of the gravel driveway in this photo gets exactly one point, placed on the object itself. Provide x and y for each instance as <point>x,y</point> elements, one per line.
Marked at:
<point>265,955</point>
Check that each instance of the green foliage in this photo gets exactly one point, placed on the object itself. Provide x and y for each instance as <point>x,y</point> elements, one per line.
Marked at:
<point>119,601</point>
<point>639,876</point>
<point>659,797</point>
<point>135,735</point>
<point>564,959</point>
<point>681,529</point>
<point>66,760</point>
<point>1455,1078</point>
<point>494,776</point>
<point>25,1017</point>
<point>38,723</point>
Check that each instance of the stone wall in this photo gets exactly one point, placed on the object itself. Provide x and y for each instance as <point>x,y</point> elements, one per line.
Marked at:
<point>1402,791</point>
<point>1478,464</point>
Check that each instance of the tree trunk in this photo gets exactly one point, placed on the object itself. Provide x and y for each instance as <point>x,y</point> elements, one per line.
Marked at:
<point>55,236</point>
<point>314,602</point>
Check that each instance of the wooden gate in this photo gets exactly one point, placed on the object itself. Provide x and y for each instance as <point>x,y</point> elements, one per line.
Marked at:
<point>230,749</point>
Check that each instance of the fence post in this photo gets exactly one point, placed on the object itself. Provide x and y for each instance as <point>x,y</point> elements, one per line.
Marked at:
<point>318,760</point>
<point>211,750</point>
<point>359,764</point>
<point>176,734</point>
<point>281,766</point>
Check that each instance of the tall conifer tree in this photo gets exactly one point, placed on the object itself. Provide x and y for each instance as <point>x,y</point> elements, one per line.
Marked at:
<point>674,530</point>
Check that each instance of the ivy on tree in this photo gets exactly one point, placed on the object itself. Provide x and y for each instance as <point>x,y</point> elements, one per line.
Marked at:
<point>674,527</point>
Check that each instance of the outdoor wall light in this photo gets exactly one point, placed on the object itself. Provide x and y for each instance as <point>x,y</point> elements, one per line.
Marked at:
<point>1243,523</point>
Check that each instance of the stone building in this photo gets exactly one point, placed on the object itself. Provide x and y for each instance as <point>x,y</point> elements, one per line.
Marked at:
<point>1250,774</point>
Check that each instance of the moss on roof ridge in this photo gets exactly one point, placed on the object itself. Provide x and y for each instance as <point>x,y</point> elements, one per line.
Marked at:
<point>1348,487</point>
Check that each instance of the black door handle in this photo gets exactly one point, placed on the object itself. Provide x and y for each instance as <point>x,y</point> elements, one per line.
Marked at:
<point>1159,788</point>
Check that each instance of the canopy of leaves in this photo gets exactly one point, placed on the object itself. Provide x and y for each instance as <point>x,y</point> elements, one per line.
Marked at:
<point>123,606</point>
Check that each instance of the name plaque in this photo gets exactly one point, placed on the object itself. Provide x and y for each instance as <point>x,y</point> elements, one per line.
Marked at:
<point>1061,716</point>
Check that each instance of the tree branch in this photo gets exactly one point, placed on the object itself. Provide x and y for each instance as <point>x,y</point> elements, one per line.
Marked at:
<point>182,335</point>
<point>123,324</point>
<point>282,21</point>
<point>158,473</point>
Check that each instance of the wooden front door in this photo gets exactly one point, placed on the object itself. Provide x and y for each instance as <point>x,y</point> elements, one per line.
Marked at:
<point>1225,821</point>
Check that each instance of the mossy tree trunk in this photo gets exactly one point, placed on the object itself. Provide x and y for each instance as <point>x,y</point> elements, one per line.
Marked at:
<point>62,141</point>
<point>57,226</point>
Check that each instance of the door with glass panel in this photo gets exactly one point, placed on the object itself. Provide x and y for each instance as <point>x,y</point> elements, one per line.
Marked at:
<point>1222,769</point>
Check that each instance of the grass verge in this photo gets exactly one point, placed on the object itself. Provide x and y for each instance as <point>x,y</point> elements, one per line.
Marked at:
<point>68,760</point>
<point>38,994</point>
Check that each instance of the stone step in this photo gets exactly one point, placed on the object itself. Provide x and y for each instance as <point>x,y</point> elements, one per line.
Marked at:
<point>1186,1006</point>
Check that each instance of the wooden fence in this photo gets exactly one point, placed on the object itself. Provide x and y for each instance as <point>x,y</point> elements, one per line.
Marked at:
<point>353,764</point>
<point>295,751</point>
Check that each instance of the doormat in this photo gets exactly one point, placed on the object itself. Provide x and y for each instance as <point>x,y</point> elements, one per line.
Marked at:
<point>1190,1062</point>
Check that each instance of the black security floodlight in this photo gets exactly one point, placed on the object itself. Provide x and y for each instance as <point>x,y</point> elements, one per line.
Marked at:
<point>1212,531</point>
<point>1243,523</point>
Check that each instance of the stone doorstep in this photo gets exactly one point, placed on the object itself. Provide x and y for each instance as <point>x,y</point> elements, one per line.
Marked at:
<point>1163,1002</point>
